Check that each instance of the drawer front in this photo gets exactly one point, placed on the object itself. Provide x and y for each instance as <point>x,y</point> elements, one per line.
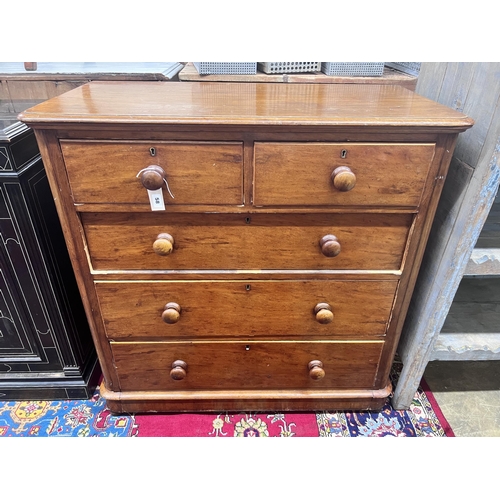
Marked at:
<point>245,365</point>
<point>201,173</point>
<point>135,310</point>
<point>301,174</point>
<point>234,241</point>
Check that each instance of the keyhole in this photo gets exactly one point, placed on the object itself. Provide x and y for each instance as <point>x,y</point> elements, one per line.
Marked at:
<point>247,348</point>
<point>248,287</point>
<point>343,153</point>
<point>248,220</point>
<point>152,151</point>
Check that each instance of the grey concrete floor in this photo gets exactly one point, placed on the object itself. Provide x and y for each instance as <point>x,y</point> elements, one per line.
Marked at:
<point>468,393</point>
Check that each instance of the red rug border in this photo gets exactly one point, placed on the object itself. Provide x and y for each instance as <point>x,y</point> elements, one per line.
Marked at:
<point>425,388</point>
<point>437,409</point>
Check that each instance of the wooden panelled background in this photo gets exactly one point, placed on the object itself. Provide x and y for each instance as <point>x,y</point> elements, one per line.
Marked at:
<point>466,214</point>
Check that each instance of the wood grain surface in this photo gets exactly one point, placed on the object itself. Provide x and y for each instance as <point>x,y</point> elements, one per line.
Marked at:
<point>245,365</point>
<point>209,103</point>
<point>196,173</point>
<point>241,241</point>
<point>133,310</point>
<point>386,174</point>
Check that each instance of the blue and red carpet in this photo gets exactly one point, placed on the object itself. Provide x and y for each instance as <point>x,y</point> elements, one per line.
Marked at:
<point>90,418</point>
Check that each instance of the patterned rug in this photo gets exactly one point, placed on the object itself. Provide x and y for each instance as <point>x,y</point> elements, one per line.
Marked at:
<point>90,418</point>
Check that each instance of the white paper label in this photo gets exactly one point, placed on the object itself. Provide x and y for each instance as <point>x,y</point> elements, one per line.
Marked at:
<point>156,199</point>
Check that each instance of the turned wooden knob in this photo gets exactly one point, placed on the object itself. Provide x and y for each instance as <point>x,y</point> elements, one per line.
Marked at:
<point>172,313</point>
<point>315,368</point>
<point>330,245</point>
<point>323,313</point>
<point>152,177</point>
<point>343,178</point>
<point>164,244</point>
<point>178,371</point>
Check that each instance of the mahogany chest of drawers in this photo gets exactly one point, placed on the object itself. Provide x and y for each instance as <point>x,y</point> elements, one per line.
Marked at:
<point>245,246</point>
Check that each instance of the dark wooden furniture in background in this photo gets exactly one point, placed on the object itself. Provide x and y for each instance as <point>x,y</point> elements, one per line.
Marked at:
<point>279,274</point>
<point>46,349</point>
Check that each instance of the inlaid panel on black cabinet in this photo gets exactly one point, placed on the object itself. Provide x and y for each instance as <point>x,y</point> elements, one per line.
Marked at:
<point>46,350</point>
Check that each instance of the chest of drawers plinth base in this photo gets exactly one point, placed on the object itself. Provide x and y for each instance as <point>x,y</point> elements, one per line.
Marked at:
<point>277,275</point>
<point>256,401</point>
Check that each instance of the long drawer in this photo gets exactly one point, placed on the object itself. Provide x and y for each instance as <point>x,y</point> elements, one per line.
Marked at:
<point>164,241</point>
<point>287,174</point>
<point>150,366</point>
<point>289,308</point>
<point>197,173</point>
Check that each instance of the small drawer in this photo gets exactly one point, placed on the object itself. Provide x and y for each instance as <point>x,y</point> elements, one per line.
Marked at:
<point>178,366</point>
<point>213,309</point>
<point>197,173</point>
<point>346,174</point>
<point>159,241</point>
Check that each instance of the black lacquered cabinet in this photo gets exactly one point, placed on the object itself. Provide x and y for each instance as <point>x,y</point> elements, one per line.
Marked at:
<point>46,349</point>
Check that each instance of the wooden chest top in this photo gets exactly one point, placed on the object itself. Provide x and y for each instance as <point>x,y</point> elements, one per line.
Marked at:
<point>244,104</point>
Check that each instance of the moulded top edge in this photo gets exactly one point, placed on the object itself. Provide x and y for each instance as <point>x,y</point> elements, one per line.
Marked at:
<point>252,104</point>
